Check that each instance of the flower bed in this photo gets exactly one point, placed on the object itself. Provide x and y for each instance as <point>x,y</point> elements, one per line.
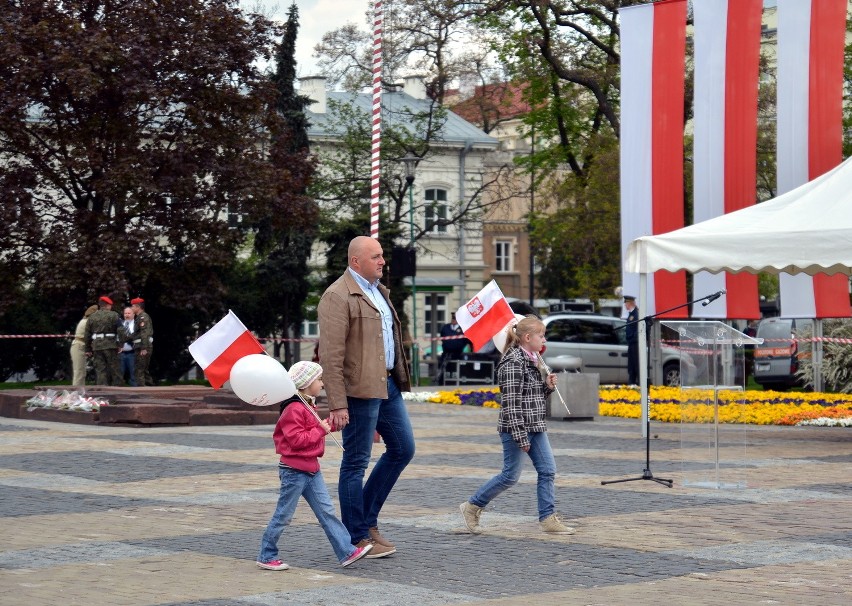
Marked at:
<point>673,405</point>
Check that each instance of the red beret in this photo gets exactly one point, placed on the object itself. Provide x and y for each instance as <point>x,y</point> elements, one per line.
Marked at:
<point>136,301</point>
<point>106,299</point>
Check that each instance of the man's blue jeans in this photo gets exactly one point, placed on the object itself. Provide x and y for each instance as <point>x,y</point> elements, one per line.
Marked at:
<point>542,459</point>
<point>295,484</point>
<point>128,367</point>
<point>360,502</point>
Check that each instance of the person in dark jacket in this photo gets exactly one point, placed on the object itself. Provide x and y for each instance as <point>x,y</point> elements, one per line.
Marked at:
<point>452,346</point>
<point>631,331</point>
<point>102,343</point>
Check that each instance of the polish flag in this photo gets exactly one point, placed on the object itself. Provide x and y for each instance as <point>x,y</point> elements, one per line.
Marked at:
<point>218,349</point>
<point>484,315</point>
<point>653,51</point>
<point>727,58</point>
<point>811,37</point>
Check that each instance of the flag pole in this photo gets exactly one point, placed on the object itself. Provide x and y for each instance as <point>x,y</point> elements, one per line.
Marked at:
<point>549,371</point>
<point>317,417</point>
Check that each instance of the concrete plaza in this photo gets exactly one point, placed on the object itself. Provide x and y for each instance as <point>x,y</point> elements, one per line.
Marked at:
<point>132,516</point>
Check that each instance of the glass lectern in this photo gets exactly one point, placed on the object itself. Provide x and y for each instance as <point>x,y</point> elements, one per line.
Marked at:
<point>712,371</point>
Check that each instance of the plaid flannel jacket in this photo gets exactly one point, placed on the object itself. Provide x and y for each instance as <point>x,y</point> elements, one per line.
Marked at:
<point>524,395</point>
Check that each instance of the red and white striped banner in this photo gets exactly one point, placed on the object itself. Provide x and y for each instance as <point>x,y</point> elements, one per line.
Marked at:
<point>376,118</point>
<point>65,336</point>
<point>811,39</point>
<point>653,50</point>
<point>727,55</point>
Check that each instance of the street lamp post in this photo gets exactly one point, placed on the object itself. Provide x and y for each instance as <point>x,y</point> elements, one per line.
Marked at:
<point>410,161</point>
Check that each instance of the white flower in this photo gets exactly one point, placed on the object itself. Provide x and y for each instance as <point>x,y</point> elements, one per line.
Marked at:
<point>827,422</point>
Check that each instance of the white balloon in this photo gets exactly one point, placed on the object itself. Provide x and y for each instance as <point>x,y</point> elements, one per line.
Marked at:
<point>261,380</point>
<point>499,339</point>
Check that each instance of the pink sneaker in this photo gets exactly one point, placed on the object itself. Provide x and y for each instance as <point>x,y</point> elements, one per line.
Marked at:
<point>356,555</point>
<point>273,565</point>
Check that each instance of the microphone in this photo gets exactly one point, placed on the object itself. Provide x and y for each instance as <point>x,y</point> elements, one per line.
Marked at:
<point>713,297</point>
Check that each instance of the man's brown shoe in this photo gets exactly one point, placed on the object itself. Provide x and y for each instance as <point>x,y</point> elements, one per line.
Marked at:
<point>377,538</point>
<point>378,550</point>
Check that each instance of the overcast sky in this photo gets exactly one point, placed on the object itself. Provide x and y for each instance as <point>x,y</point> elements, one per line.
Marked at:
<point>316,17</point>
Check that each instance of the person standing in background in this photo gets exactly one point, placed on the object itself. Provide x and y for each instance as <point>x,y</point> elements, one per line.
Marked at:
<point>632,333</point>
<point>143,343</point>
<point>128,354</point>
<point>102,343</point>
<point>452,346</point>
<point>78,349</point>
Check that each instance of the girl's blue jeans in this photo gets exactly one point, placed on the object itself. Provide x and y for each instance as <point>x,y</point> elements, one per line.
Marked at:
<point>542,459</point>
<point>295,484</point>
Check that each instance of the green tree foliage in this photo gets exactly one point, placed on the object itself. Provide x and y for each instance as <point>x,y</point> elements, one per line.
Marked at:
<point>567,54</point>
<point>836,365</point>
<point>128,132</point>
<point>574,244</point>
<point>283,270</point>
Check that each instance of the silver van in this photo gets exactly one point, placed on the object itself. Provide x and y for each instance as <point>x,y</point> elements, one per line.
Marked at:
<point>776,360</point>
<point>601,342</point>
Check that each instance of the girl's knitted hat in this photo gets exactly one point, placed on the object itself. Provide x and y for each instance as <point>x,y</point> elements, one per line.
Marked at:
<point>305,373</point>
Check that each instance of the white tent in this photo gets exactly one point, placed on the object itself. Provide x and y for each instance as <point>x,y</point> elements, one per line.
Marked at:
<point>808,229</point>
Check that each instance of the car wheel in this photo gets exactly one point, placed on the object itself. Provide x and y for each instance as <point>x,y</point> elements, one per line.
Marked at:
<point>671,374</point>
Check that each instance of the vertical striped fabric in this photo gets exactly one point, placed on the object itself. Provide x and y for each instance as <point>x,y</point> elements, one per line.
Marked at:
<point>653,46</point>
<point>727,53</point>
<point>811,38</point>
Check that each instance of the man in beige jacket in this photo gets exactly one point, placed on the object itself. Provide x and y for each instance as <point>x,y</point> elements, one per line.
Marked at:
<point>365,372</point>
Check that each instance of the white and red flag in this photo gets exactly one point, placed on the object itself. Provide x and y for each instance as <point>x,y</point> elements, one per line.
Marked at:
<point>653,50</point>
<point>811,39</point>
<point>727,56</point>
<point>484,315</point>
<point>218,349</point>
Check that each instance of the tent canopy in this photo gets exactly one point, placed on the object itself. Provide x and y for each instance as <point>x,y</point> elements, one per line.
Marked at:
<point>807,230</point>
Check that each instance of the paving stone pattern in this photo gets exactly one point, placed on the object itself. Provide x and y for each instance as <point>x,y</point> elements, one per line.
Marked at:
<point>106,515</point>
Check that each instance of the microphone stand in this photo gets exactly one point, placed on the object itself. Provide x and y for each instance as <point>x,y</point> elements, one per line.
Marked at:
<point>646,473</point>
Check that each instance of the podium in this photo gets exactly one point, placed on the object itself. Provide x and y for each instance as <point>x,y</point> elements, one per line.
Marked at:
<point>713,450</point>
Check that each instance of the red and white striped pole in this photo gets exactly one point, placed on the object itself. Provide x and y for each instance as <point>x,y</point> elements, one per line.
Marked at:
<point>375,161</point>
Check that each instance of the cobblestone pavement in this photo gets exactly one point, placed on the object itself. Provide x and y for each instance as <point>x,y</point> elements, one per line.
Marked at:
<point>153,516</point>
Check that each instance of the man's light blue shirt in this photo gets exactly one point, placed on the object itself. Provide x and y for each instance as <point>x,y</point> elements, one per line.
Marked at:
<point>372,291</point>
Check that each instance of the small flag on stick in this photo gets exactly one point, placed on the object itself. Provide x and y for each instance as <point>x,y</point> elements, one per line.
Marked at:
<point>484,315</point>
<point>217,350</point>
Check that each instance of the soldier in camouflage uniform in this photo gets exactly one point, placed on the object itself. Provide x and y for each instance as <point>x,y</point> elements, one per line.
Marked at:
<point>102,343</point>
<point>143,343</point>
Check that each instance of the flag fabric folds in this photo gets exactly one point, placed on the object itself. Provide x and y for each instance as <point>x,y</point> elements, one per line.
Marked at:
<point>484,315</point>
<point>811,39</point>
<point>727,61</point>
<point>653,47</point>
<point>217,350</point>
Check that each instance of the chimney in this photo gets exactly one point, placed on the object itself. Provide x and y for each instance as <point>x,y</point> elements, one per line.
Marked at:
<point>414,86</point>
<point>313,87</point>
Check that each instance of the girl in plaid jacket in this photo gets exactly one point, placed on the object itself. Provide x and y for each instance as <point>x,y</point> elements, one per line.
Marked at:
<point>522,427</point>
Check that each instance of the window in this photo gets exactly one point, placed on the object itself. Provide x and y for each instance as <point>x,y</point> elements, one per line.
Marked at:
<point>436,210</point>
<point>310,328</point>
<point>441,316</point>
<point>503,255</point>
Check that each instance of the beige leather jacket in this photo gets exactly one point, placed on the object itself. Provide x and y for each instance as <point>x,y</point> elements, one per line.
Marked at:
<point>351,352</point>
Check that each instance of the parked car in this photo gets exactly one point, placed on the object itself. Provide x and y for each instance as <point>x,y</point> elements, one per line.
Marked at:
<point>776,360</point>
<point>601,342</point>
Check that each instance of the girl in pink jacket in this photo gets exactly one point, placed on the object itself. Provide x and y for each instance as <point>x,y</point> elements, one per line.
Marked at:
<point>300,441</point>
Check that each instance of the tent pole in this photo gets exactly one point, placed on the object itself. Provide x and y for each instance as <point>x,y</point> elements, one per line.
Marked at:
<point>643,354</point>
